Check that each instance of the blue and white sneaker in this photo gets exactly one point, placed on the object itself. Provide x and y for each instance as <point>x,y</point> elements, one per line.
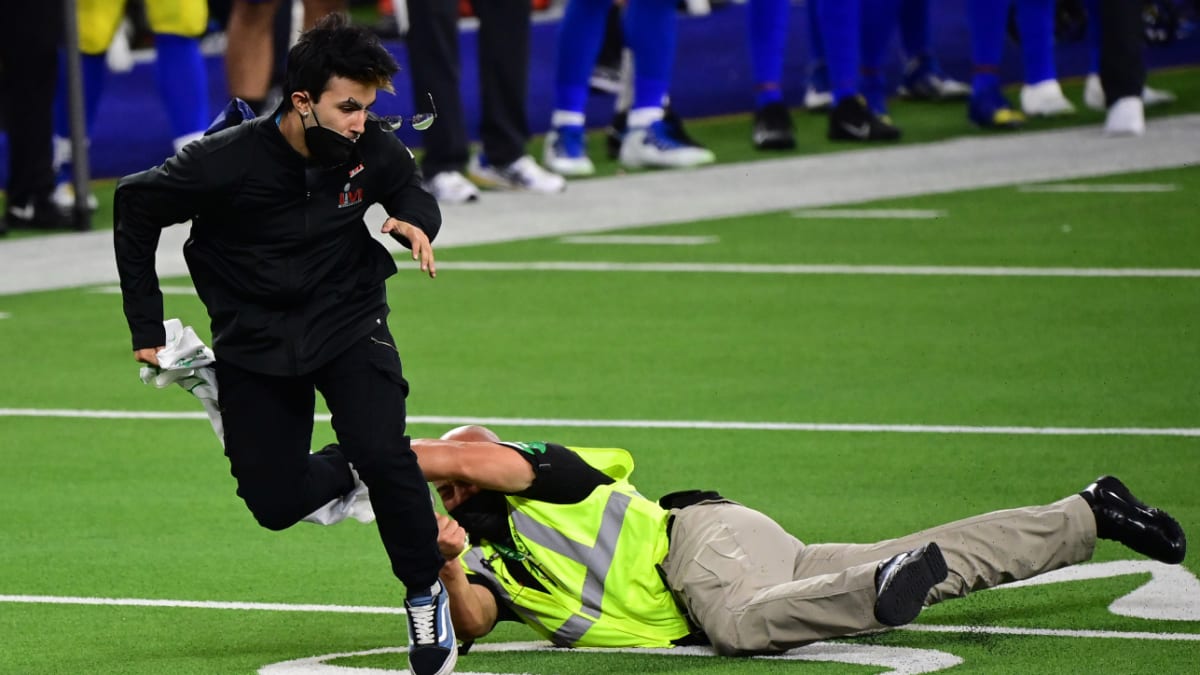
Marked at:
<point>656,146</point>
<point>565,151</point>
<point>925,81</point>
<point>432,649</point>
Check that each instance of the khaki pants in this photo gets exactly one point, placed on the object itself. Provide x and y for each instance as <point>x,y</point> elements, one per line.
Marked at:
<point>754,588</point>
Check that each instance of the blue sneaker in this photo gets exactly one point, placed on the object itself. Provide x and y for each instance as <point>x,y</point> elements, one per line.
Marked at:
<point>432,649</point>
<point>565,151</point>
<point>991,110</point>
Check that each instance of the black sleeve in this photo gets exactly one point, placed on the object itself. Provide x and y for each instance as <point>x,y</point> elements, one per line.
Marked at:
<point>403,197</point>
<point>560,475</point>
<point>143,205</point>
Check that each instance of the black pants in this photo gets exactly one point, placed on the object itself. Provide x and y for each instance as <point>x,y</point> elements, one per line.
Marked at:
<point>268,433</point>
<point>30,33</point>
<point>433,57</point>
<point>1122,47</point>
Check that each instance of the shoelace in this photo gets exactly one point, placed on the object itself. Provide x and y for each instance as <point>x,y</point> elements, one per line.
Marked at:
<point>421,620</point>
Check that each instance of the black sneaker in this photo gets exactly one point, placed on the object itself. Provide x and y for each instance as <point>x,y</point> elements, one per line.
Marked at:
<point>852,120</point>
<point>40,214</point>
<point>773,127</point>
<point>1122,517</point>
<point>432,649</point>
<point>902,583</point>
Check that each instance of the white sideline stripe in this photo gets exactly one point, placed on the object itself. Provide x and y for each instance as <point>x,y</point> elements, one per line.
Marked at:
<point>1111,187</point>
<point>660,424</point>
<point>362,609</point>
<point>878,270</point>
<point>166,290</point>
<point>640,239</point>
<point>4,315</point>
<point>200,604</point>
<point>738,268</point>
<point>906,214</point>
<point>1054,632</point>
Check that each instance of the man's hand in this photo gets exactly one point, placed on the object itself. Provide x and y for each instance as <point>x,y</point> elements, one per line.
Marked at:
<point>148,355</point>
<point>452,538</point>
<point>421,248</point>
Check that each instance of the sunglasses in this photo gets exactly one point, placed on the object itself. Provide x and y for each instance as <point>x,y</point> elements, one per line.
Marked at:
<point>418,121</point>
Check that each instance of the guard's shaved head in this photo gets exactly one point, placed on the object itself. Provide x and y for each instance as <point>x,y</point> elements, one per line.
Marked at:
<point>471,432</point>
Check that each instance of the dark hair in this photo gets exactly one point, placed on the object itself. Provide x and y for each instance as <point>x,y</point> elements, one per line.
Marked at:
<point>335,47</point>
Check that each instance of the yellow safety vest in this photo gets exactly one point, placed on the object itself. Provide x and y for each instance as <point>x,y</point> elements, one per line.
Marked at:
<point>595,560</point>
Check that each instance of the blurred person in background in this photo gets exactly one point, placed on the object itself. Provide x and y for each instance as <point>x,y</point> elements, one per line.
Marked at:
<point>856,35</point>
<point>1125,49</point>
<point>250,44</point>
<point>434,58</point>
<point>648,139</point>
<point>988,108</point>
<point>30,34</point>
<point>178,69</point>
<point>924,79</point>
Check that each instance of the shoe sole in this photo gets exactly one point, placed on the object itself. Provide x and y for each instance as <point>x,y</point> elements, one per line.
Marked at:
<point>904,597</point>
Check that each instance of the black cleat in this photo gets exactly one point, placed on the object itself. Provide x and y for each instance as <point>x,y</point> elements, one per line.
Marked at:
<point>1121,517</point>
<point>773,127</point>
<point>852,120</point>
<point>903,582</point>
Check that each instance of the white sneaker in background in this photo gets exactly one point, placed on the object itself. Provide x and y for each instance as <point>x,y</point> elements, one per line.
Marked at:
<point>565,152</point>
<point>451,187</point>
<point>655,147</point>
<point>1152,97</point>
<point>1093,94</point>
<point>1045,99</point>
<point>1126,117</point>
<point>64,197</point>
<point>523,174</point>
<point>816,100</point>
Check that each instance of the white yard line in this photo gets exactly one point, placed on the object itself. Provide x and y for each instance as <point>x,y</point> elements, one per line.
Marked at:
<point>1055,632</point>
<point>198,604</point>
<point>870,214</point>
<point>448,420</point>
<point>868,270</point>
<point>640,240</point>
<point>1119,188</point>
<point>784,269</point>
<point>646,199</point>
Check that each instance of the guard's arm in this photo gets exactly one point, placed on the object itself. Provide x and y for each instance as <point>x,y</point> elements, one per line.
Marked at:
<point>490,466</point>
<point>473,609</point>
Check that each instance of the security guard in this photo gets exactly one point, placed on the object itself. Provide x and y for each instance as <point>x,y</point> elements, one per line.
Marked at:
<point>566,544</point>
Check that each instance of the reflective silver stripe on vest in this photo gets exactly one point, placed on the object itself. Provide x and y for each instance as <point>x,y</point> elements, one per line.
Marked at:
<point>596,559</point>
<point>477,565</point>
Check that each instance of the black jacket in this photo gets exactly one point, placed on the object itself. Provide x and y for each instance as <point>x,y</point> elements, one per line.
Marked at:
<point>278,251</point>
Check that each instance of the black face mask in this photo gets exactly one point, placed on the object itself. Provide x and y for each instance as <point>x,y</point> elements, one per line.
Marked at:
<point>328,147</point>
<point>484,515</point>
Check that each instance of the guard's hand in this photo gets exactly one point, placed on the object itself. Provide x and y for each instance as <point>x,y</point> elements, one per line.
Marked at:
<point>421,248</point>
<point>452,538</point>
<point>147,355</point>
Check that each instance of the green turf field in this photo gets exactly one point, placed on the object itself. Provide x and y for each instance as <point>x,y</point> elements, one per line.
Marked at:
<point>852,404</point>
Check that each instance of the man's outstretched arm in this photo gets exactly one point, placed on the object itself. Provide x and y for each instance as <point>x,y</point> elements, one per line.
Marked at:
<point>490,466</point>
